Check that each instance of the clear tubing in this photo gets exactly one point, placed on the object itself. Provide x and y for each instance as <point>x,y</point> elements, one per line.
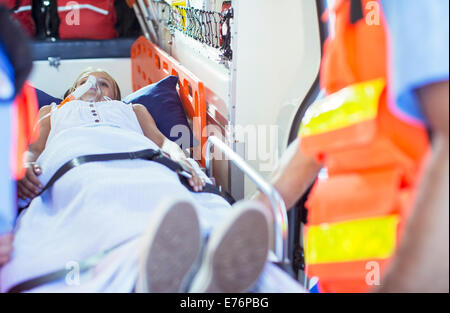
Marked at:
<point>90,83</point>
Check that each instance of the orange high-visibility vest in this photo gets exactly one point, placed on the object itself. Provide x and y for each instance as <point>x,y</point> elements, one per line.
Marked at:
<point>357,213</point>
<point>26,111</point>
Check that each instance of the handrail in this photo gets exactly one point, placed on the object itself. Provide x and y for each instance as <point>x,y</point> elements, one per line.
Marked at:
<point>140,19</point>
<point>147,21</point>
<point>278,205</point>
<point>153,11</point>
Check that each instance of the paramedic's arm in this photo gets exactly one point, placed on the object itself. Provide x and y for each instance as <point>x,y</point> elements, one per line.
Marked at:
<point>294,175</point>
<point>152,132</point>
<point>422,262</point>
<point>29,186</point>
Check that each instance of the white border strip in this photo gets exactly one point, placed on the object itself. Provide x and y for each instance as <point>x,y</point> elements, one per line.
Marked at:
<point>83,6</point>
<point>22,9</point>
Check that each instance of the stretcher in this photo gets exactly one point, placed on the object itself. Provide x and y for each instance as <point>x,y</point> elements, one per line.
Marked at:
<point>151,64</point>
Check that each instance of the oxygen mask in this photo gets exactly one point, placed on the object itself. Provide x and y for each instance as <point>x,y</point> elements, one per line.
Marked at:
<point>89,91</point>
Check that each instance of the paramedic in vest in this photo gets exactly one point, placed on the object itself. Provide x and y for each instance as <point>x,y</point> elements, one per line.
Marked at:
<point>418,73</point>
<point>15,66</point>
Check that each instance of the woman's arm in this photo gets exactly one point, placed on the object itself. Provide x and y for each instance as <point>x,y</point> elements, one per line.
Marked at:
<point>35,149</point>
<point>29,186</point>
<point>148,125</point>
<point>152,132</point>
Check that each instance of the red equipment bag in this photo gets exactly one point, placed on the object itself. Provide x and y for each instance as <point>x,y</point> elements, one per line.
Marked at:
<point>87,19</point>
<point>21,11</point>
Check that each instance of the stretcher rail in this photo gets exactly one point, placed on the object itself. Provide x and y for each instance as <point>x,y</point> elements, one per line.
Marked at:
<point>143,17</point>
<point>278,205</point>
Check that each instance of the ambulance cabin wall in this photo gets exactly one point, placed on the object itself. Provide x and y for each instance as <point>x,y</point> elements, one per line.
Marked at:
<point>276,59</point>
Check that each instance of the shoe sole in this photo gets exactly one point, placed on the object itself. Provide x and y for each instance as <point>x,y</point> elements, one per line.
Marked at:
<point>236,253</point>
<point>170,248</point>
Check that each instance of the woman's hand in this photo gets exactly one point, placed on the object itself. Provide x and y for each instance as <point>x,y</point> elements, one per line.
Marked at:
<point>6,247</point>
<point>30,186</point>
<point>196,182</point>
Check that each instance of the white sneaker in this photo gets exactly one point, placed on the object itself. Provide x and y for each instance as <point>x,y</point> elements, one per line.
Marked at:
<point>170,248</point>
<point>236,251</point>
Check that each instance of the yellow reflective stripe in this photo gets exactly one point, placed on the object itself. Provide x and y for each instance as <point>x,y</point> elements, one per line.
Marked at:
<point>350,106</point>
<point>180,7</point>
<point>357,240</point>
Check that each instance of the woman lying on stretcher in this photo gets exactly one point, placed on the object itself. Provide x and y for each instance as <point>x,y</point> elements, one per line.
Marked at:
<point>175,239</point>
<point>107,88</point>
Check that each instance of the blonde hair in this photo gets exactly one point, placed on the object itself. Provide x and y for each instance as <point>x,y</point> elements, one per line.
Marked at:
<point>86,72</point>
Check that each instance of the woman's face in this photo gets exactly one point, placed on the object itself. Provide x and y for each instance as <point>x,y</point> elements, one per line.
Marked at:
<point>105,84</point>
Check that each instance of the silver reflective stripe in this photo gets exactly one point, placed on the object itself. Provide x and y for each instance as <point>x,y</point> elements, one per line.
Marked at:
<point>83,6</point>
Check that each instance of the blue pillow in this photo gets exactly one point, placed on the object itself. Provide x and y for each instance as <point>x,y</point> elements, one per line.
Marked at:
<point>45,99</point>
<point>162,101</point>
<point>164,104</point>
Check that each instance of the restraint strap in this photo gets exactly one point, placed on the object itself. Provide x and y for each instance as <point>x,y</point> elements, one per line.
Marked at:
<point>84,266</point>
<point>148,154</point>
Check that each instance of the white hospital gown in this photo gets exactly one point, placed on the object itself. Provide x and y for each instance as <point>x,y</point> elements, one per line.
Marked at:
<point>97,205</point>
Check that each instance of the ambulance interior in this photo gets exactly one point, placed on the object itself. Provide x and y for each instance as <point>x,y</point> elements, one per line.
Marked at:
<point>243,63</point>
